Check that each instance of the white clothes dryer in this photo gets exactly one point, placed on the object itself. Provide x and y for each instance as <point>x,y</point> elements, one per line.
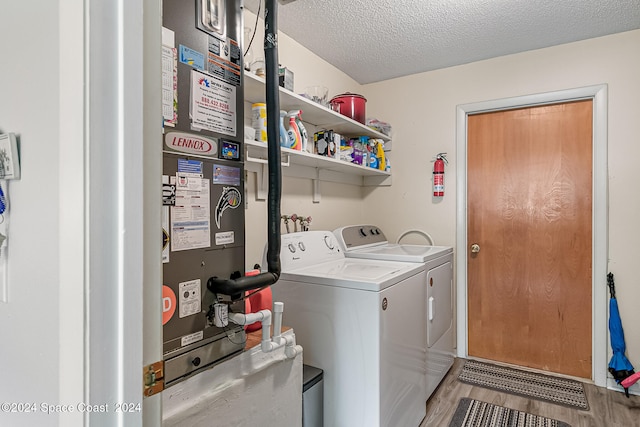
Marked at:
<point>369,242</point>
<point>360,322</point>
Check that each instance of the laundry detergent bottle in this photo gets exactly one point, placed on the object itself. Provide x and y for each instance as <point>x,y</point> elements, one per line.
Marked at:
<point>304,137</point>
<point>293,133</point>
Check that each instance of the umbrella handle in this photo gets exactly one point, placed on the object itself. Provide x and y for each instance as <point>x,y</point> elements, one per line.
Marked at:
<point>629,381</point>
<point>611,284</point>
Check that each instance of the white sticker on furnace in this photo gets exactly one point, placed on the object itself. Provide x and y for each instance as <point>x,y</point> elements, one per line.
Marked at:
<point>189,298</point>
<point>188,339</point>
<point>226,238</point>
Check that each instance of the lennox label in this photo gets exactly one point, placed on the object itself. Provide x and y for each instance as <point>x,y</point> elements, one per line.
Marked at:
<point>190,143</point>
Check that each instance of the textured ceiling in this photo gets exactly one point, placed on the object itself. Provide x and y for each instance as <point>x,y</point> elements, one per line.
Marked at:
<point>374,40</point>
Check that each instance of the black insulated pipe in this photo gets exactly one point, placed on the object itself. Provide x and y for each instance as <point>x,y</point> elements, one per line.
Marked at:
<point>273,135</point>
<point>236,287</point>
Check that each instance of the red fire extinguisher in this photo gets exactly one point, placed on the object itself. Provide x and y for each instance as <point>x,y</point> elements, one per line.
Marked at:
<point>438,174</point>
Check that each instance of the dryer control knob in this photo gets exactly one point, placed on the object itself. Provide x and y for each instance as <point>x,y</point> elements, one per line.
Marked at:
<point>328,240</point>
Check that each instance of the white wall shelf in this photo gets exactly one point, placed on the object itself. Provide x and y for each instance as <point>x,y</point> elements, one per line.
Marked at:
<point>312,112</point>
<point>300,164</point>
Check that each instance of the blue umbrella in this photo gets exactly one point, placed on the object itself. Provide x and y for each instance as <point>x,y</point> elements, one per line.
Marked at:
<point>619,365</point>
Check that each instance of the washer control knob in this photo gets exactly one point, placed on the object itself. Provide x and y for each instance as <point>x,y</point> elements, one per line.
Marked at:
<point>328,240</point>
<point>362,232</point>
<point>292,248</point>
<point>196,361</point>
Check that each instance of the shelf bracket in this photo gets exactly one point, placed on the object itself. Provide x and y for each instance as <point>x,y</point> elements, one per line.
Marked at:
<point>316,187</point>
<point>266,162</point>
<point>377,181</point>
<point>263,182</point>
<point>262,174</point>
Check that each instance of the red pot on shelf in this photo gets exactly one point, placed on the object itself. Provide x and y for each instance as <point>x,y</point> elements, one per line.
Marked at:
<point>351,105</point>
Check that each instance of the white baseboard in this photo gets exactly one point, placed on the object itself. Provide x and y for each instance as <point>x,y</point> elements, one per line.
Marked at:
<point>613,385</point>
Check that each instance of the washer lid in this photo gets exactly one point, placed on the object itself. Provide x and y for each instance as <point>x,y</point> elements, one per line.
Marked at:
<point>354,273</point>
<point>396,252</point>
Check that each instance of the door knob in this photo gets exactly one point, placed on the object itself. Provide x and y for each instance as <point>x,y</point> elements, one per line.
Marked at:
<point>475,248</point>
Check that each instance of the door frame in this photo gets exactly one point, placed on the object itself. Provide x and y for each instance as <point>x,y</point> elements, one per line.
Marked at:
<point>600,249</point>
<point>121,322</point>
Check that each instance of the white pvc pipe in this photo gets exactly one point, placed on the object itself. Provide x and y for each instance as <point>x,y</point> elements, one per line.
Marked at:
<point>267,345</point>
<point>278,309</point>
<point>266,331</point>
<point>291,350</point>
<point>263,316</point>
<point>249,318</point>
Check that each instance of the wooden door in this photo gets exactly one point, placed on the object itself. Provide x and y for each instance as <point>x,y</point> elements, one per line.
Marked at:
<point>529,209</point>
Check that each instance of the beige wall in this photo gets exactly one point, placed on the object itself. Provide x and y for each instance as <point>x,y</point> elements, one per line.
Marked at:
<point>340,203</point>
<point>422,110</point>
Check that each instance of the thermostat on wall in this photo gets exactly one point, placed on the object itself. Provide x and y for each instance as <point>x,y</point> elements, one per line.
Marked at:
<point>9,160</point>
<point>230,150</point>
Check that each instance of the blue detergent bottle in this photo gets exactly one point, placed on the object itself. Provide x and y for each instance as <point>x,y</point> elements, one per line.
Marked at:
<point>284,139</point>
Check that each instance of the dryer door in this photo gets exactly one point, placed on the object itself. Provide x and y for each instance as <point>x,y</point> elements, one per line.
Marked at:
<point>439,302</point>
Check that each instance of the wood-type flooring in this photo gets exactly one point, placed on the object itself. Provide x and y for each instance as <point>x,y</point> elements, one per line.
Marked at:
<point>607,408</point>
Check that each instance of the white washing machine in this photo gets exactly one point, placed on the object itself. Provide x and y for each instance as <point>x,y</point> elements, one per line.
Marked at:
<point>359,321</point>
<point>369,242</point>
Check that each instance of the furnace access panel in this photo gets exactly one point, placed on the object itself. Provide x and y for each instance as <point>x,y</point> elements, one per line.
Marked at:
<point>203,208</point>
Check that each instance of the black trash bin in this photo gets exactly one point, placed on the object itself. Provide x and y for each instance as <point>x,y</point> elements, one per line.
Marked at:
<point>312,397</point>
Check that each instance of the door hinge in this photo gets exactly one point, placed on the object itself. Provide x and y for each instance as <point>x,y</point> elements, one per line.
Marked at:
<point>153,378</point>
